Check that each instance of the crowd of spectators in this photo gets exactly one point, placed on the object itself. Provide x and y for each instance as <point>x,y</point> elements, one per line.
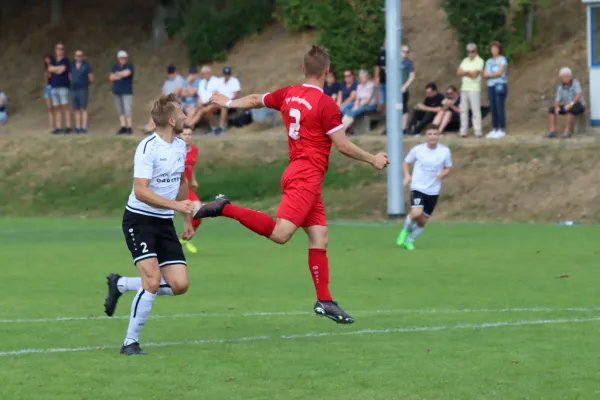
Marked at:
<point>66,92</point>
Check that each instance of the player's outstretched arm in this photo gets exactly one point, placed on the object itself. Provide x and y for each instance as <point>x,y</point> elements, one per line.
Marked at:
<point>349,149</point>
<point>247,102</point>
<point>145,195</point>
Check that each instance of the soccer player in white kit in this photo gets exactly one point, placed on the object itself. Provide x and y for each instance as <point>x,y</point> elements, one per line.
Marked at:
<point>159,189</point>
<point>432,162</point>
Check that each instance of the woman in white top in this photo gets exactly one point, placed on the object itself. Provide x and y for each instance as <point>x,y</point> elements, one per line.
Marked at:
<point>365,99</point>
<point>432,162</point>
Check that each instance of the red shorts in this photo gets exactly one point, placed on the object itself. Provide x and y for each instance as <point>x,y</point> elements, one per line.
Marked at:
<point>192,196</point>
<point>301,202</point>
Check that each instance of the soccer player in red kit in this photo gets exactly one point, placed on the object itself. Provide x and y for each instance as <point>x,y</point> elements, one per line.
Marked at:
<point>313,122</point>
<point>190,162</point>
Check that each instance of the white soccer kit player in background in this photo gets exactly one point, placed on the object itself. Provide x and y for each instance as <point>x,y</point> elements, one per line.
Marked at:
<point>432,162</point>
<point>159,189</point>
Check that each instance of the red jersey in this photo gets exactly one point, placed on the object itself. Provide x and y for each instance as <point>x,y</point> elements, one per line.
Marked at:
<point>190,162</point>
<point>310,116</point>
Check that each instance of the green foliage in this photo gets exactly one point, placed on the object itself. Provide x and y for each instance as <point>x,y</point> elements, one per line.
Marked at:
<point>518,40</point>
<point>477,21</point>
<point>210,28</point>
<point>296,15</point>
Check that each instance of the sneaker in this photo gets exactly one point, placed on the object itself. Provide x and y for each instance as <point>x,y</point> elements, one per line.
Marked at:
<point>133,349</point>
<point>122,130</point>
<point>57,131</point>
<point>566,135</point>
<point>409,246</point>
<point>128,131</point>
<point>402,238</point>
<point>67,131</point>
<point>219,131</point>
<point>492,134</point>
<point>550,135</point>
<point>111,299</point>
<point>209,131</point>
<point>331,310</point>
<point>212,209</point>
<point>77,130</point>
<point>500,134</point>
<point>83,131</point>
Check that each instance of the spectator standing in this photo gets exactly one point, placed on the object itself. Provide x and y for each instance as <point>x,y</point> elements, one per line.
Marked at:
<point>331,87</point>
<point>207,86</point>
<point>497,86</point>
<point>449,117</point>
<point>122,79</point>
<point>190,94</point>
<point>82,75</point>
<point>230,87</point>
<point>569,101</point>
<point>425,112</point>
<point>365,102</point>
<point>48,90</point>
<point>3,105</point>
<point>347,93</point>
<point>380,77</point>
<point>470,70</point>
<point>408,77</point>
<point>60,67</point>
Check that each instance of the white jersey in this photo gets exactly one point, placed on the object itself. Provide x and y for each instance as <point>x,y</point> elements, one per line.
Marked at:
<point>428,164</point>
<point>163,163</point>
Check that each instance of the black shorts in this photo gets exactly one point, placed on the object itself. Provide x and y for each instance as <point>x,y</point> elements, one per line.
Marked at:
<point>149,237</point>
<point>577,109</point>
<point>405,97</point>
<point>425,201</point>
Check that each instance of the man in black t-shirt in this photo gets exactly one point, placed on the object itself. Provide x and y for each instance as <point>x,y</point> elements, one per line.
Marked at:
<point>425,112</point>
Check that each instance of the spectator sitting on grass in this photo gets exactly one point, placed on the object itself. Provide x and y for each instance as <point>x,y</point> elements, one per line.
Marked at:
<point>190,94</point>
<point>347,93</point>
<point>449,117</point>
<point>331,87</point>
<point>365,102</point>
<point>3,113</point>
<point>425,112</point>
<point>569,101</point>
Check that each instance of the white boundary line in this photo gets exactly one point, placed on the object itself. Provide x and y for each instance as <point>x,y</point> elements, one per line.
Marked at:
<point>300,313</point>
<point>412,329</point>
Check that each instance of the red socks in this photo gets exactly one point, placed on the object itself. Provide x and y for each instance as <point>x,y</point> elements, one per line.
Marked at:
<point>196,223</point>
<point>319,270</point>
<point>256,221</point>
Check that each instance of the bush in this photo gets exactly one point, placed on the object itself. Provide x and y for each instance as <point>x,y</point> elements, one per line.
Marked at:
<point>210,28</point>
<point>477,21</point>
<point>296,15</point>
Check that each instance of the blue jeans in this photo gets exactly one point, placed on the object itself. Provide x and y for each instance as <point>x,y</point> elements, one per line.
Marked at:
<point>3,117</point>
<point>497,96</point>
<point>345,109</point>
<point>362,110</point>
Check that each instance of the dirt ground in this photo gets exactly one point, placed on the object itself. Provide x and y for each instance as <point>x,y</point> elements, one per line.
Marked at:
<point>263,62</point>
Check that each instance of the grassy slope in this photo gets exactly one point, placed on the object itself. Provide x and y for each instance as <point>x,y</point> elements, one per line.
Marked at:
<point>91,176</point>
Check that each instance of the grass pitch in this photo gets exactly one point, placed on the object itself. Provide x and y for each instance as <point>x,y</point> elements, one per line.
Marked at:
<point>477,312</point>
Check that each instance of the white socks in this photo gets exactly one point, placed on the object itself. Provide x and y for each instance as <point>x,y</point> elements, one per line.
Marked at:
<point>408,224</point>
<point>140,310</point>
<point>416,231</point>
<point>129,284</point>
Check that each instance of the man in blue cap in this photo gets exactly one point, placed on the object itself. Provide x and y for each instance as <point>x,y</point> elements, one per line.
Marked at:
<point>230,87</point>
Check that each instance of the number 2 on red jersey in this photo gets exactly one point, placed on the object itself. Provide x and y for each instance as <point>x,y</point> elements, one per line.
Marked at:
<point>294,131</point>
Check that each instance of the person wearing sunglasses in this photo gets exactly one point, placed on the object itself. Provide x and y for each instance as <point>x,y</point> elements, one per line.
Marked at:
<point>470,71</point>
<point>449,117</point>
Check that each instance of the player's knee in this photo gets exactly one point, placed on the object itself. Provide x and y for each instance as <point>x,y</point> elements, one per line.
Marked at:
<point>416,214</point>
<point>318,241</point>
<point>151,283</point>
<point>280,237</point>
<point>180,287</point>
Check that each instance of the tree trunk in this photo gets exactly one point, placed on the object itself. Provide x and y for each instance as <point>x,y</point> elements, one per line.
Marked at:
<point>159,29</point>
<point>56,11</point>
<point>529,28</point>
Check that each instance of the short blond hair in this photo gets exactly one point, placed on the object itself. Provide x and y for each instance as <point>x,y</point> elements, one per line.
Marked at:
<point>316,61</point>
<point>206,68</point>
<point>164,109</point>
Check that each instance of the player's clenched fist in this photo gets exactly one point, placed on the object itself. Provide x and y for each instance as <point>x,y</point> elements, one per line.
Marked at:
<point>219,99</point>
<point>380,161</point>
<point>184,207</point>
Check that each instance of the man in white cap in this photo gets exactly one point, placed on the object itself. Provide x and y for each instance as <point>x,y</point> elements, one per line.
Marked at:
<point>569,101</point>
<point>122,79</point>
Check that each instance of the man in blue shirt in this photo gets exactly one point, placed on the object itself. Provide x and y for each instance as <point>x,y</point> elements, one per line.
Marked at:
<point>122,79</point>
<point>60,67</point>
<point>82,75</point>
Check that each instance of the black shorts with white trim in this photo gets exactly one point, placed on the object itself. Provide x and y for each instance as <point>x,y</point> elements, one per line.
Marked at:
<point>148,237</point>
<point>425,201</point>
